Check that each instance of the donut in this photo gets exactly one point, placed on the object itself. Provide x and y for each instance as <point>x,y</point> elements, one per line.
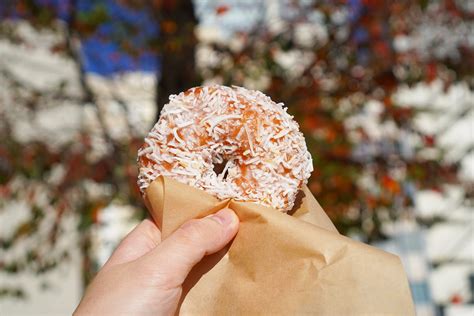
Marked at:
<point>261,152</point>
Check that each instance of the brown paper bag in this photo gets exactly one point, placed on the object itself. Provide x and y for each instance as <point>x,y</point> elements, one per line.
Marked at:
<point>280,264</point>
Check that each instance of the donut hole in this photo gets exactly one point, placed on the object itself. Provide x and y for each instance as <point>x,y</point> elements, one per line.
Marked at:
<point>219,168</point>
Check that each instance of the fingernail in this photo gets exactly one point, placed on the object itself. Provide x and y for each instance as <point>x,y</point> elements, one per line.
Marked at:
<point>224,217</point>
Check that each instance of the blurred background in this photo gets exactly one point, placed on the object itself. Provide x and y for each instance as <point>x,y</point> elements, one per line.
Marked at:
<point>383,91</point>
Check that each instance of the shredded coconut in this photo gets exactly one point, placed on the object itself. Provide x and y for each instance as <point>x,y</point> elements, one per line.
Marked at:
<point>265,153</point>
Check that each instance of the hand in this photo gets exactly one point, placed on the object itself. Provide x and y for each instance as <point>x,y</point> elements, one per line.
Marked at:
<point>144,276</point>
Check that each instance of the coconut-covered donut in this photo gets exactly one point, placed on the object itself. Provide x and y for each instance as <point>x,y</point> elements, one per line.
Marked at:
<point>258,144</point>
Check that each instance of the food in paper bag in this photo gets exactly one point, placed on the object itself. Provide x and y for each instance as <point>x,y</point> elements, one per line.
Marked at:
<point>278,263</point>
<point>256,142</point>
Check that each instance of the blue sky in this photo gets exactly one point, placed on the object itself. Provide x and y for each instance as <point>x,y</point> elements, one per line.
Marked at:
<point>102,54</point>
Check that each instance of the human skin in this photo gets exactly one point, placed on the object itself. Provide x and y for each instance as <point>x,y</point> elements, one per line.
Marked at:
<point>144,275</point>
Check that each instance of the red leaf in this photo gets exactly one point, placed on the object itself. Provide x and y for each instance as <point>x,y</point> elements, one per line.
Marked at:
<point>429,140</point>
<point>222,9</point>
<point>456,299</point>
<point>390,184</point>
<point>431,72</point>
<point>310,123</point>
<point>95,213</point>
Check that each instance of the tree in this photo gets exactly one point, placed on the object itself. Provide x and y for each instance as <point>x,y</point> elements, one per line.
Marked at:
<point>338,68</point>
<point>93,167</point>
<point>177,23</point>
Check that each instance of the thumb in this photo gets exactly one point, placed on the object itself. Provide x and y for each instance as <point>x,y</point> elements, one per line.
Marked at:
<point>182,250</point>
